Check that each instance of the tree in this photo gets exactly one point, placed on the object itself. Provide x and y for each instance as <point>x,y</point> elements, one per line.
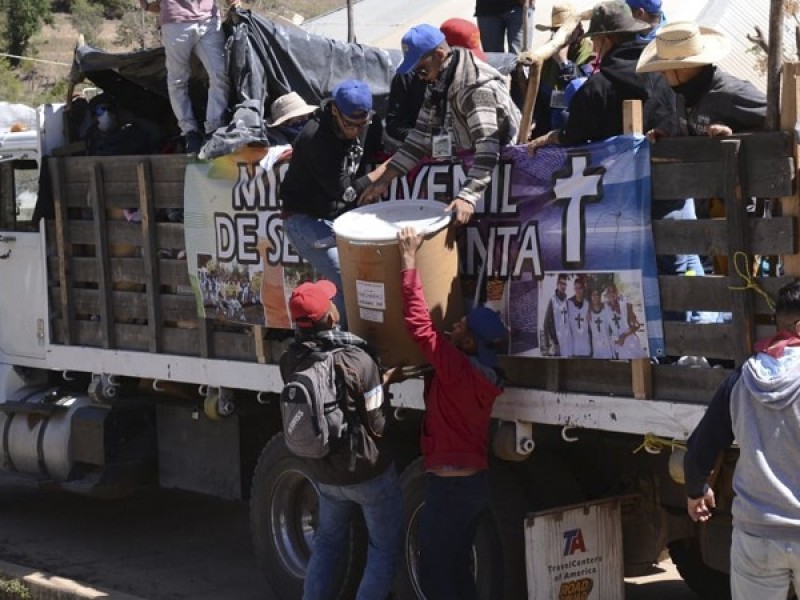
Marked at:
<point>24,19</point>
<point>87,19</point>
<point>138,28</point>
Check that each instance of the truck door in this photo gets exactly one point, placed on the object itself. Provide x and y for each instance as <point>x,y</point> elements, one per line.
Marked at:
<point>23,287</point>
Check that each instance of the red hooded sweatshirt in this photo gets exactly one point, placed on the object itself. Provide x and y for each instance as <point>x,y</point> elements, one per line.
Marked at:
<point>458,397</point>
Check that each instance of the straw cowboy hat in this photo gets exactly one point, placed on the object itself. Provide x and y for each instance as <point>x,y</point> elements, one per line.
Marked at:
<point>681,45</point>
<point>287,107</point>
<point>560,13</point>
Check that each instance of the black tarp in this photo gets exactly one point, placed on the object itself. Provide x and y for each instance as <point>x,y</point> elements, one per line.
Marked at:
<point>265,60</point>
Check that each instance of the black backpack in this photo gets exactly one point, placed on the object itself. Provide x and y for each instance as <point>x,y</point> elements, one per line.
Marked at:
<point>311,406</point>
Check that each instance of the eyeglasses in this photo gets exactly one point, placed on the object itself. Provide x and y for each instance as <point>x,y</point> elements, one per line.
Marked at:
<point>346,123</point>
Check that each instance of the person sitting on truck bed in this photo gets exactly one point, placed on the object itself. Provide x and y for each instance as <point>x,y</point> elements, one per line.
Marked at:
<point>290,113</point>
<point>758,406</point>
<point>455,434</point>
<point>111,134</point>
<point>327,173</point>
<point>371,485</point>
<point>467,107</point>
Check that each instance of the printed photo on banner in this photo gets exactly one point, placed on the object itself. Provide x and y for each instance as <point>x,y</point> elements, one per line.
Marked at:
<point>592,315</point>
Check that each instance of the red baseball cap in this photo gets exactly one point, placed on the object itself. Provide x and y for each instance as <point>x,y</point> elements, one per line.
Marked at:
<point>310,302</point>
<point>464,34</point>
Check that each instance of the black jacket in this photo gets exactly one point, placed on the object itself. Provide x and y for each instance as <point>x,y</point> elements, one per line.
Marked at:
<point>595,112</point>
<point>405,101</point>
<point>714,96</point>
<point>327,174</point>
<point>360,378</point>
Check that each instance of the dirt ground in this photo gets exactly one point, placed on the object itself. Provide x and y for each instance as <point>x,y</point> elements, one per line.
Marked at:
<point>167,545</point>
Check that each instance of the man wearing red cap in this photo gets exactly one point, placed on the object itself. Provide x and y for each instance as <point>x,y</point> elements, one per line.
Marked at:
<point>359,470</point>
<point>455,434</point>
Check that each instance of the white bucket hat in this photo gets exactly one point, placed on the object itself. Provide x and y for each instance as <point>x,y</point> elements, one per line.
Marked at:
<point>559,14</point>
<point>287,107</point>
<point>681,45</point>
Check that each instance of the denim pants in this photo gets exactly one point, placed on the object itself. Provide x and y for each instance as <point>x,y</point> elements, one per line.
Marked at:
<point>761,568</point>
<point>453,510</point>
<point>496,29</point>
<point>381,501</point>
<point>206,40</point>
<point>313,239</point>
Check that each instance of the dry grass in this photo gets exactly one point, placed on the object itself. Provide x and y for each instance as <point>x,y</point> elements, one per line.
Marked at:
<point>56,43</point>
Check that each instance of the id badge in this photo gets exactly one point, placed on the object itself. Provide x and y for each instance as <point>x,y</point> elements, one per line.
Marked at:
<point>557,99</point>
<point>442,145</point>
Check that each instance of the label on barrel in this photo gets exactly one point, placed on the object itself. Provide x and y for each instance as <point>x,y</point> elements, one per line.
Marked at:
<point>376,316</point>
<point>371,294</point>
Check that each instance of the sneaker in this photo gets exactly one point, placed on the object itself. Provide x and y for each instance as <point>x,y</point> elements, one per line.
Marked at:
<point>193,141</point>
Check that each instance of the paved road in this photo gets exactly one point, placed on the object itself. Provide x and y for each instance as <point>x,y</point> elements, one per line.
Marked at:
<point>165,545</point>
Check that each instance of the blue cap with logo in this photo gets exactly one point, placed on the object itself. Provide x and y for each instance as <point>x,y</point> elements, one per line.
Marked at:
<point>650,6</point>
<point>489,331</point>
<point>353,98</point>
<point>417,43</point>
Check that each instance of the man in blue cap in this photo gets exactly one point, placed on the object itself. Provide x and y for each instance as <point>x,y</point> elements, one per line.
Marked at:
<point>455,434</point>
<point>467,106</point>
<point>648,11</point>
<point>327,174</point>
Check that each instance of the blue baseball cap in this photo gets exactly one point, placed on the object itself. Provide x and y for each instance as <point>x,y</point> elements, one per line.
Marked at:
<point>489,331</point>
<point>353,98</point>
<point>416,43</point>
<point>650,6</point>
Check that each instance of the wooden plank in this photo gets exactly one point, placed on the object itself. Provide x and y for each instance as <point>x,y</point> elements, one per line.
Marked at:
<point>642,378</point>
<point>204,337</point>
<point>147,212</point>
<point>738,247</point>
<point>134,305</point>
<point>712,292</point>
<point>64,249</point>
<point>712,340</point>
<point>710,236</point>
<point>684,384</point>
<point>124,194</point>
<point>170,235</point>
<point>260,346</point>
<point>553,375</point>
<point>234,346</point>
<point>534,77</point>
<point>100,234</point>
<point>790,113</point>
<point>632,120</point>
<point>84,269</point>
<point>168,167</point>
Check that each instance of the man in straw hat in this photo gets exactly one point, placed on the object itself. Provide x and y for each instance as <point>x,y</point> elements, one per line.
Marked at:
<point>595,112</point>
<point>710,101</point>
<point>569,63</point>
<point>289,114</point>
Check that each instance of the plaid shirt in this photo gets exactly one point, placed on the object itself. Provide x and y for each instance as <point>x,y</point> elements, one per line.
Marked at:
<point>480,116</point>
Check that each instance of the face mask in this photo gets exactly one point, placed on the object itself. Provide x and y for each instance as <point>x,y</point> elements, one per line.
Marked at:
<point>105,122</point>
<point>293,130</point>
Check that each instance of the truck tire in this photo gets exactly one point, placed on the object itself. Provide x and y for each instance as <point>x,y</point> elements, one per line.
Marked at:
<point>284,504</point>
<point>704,581</point>
<point>487,561</point>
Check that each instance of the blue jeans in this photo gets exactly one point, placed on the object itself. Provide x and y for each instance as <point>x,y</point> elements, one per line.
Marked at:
<point>762,568</point>
<point>313,239</point>
<point>453,510</point>
<point>496,29</point>
<point>381,501</point>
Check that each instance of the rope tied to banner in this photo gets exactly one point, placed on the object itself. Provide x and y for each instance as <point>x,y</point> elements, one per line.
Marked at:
<point>747,277</point>
<point>653,444</point>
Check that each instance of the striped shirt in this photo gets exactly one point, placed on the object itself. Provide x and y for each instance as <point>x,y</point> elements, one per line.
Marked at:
<point>480,116</point>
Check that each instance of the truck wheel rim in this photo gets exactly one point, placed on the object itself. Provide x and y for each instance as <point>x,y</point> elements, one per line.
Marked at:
<point>293,510</point>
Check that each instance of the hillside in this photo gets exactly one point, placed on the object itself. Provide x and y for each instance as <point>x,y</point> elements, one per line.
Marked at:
<point>45,78</point>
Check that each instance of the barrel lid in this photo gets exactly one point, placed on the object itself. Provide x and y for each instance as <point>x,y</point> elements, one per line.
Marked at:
<point>380,222</point>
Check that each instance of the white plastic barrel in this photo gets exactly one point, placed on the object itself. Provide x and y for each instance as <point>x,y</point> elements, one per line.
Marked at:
<point>370,262</point>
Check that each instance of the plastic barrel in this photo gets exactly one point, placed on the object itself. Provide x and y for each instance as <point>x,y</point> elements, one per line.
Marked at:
<point>366,238</point>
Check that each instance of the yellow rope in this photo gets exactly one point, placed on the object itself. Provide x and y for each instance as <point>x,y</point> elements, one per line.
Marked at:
<point>653,444</point>
<point>749,280</point>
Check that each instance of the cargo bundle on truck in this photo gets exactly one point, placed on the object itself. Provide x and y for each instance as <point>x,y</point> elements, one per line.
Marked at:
<point>117,371</point>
